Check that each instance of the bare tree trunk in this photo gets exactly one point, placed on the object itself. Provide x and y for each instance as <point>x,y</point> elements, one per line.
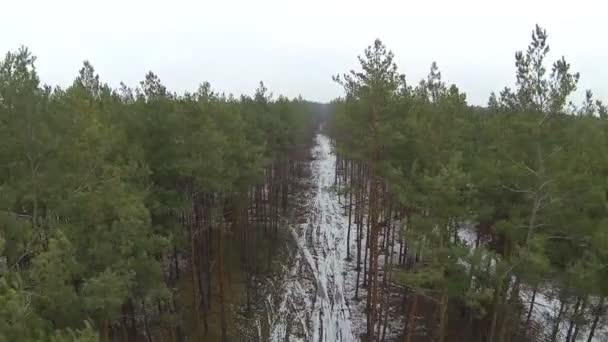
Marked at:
<point>285,188</point>
<point>373,260</point>
<point>529,316</point>
<point>132,333</point>
<point>265,201</point>
<point>508,315</point>
<point>146,325</point>
<point>359,214</point>
<point>411,318</point>
<point>598,314</point>
<point>223,323</point>
<point>350,211</point>
<point>370,311</point>
<point>336,170</point>
<point>209,253</point>
<point>176,262</point>
<point>195,286</point>
<point>105,331</point>
<point>367,238</point>
<point>573,319</point>
<point>443,318</point>
<point>578,319</point>
<point>495,309</point>
<point>200,245</point>
<point>558,320</point>
<point>388,280</point>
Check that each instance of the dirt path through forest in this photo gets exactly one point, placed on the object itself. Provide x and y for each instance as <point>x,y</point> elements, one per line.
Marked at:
<point>314,306</point>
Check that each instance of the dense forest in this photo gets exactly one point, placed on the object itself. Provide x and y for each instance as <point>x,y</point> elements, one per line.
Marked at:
<point>493,207</point>
<point>125,213</point>
<point>141,214</point>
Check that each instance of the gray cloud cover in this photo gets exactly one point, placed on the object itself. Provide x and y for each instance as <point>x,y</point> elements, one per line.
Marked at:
<point>295,47</point>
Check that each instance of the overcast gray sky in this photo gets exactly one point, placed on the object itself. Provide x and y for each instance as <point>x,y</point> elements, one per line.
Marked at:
<point>295,46</point>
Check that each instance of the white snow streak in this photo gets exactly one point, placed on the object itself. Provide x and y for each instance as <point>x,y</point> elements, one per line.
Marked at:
<point>317,305</point>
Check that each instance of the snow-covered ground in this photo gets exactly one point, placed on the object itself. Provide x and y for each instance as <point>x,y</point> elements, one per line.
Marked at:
<point>314,305</point>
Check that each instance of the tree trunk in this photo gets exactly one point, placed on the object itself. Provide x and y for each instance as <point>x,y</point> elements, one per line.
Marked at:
<point>195,286</point>
<point>176,263</point>
<point>209,253</point>
<point>373,257</point>
<point>132,330</point>
<point>389,270</point>
<point>495,309</point>
<point>598,314</point>
<point>530,310</point>
<point>223,323</point>
<point>200,246</point>
<point>443,318</point>
<point>359,214</point>
<point>350,211</point>
<point>336,170</point>
<point>285,189</point>
<point>557,321</point>
<point>411,318</point>
<point>573,319</point>
<point>372,289</point>
<point>146,325</point>
<point>105,331</point>
<point>509,314</point>
<point>367,238</point>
